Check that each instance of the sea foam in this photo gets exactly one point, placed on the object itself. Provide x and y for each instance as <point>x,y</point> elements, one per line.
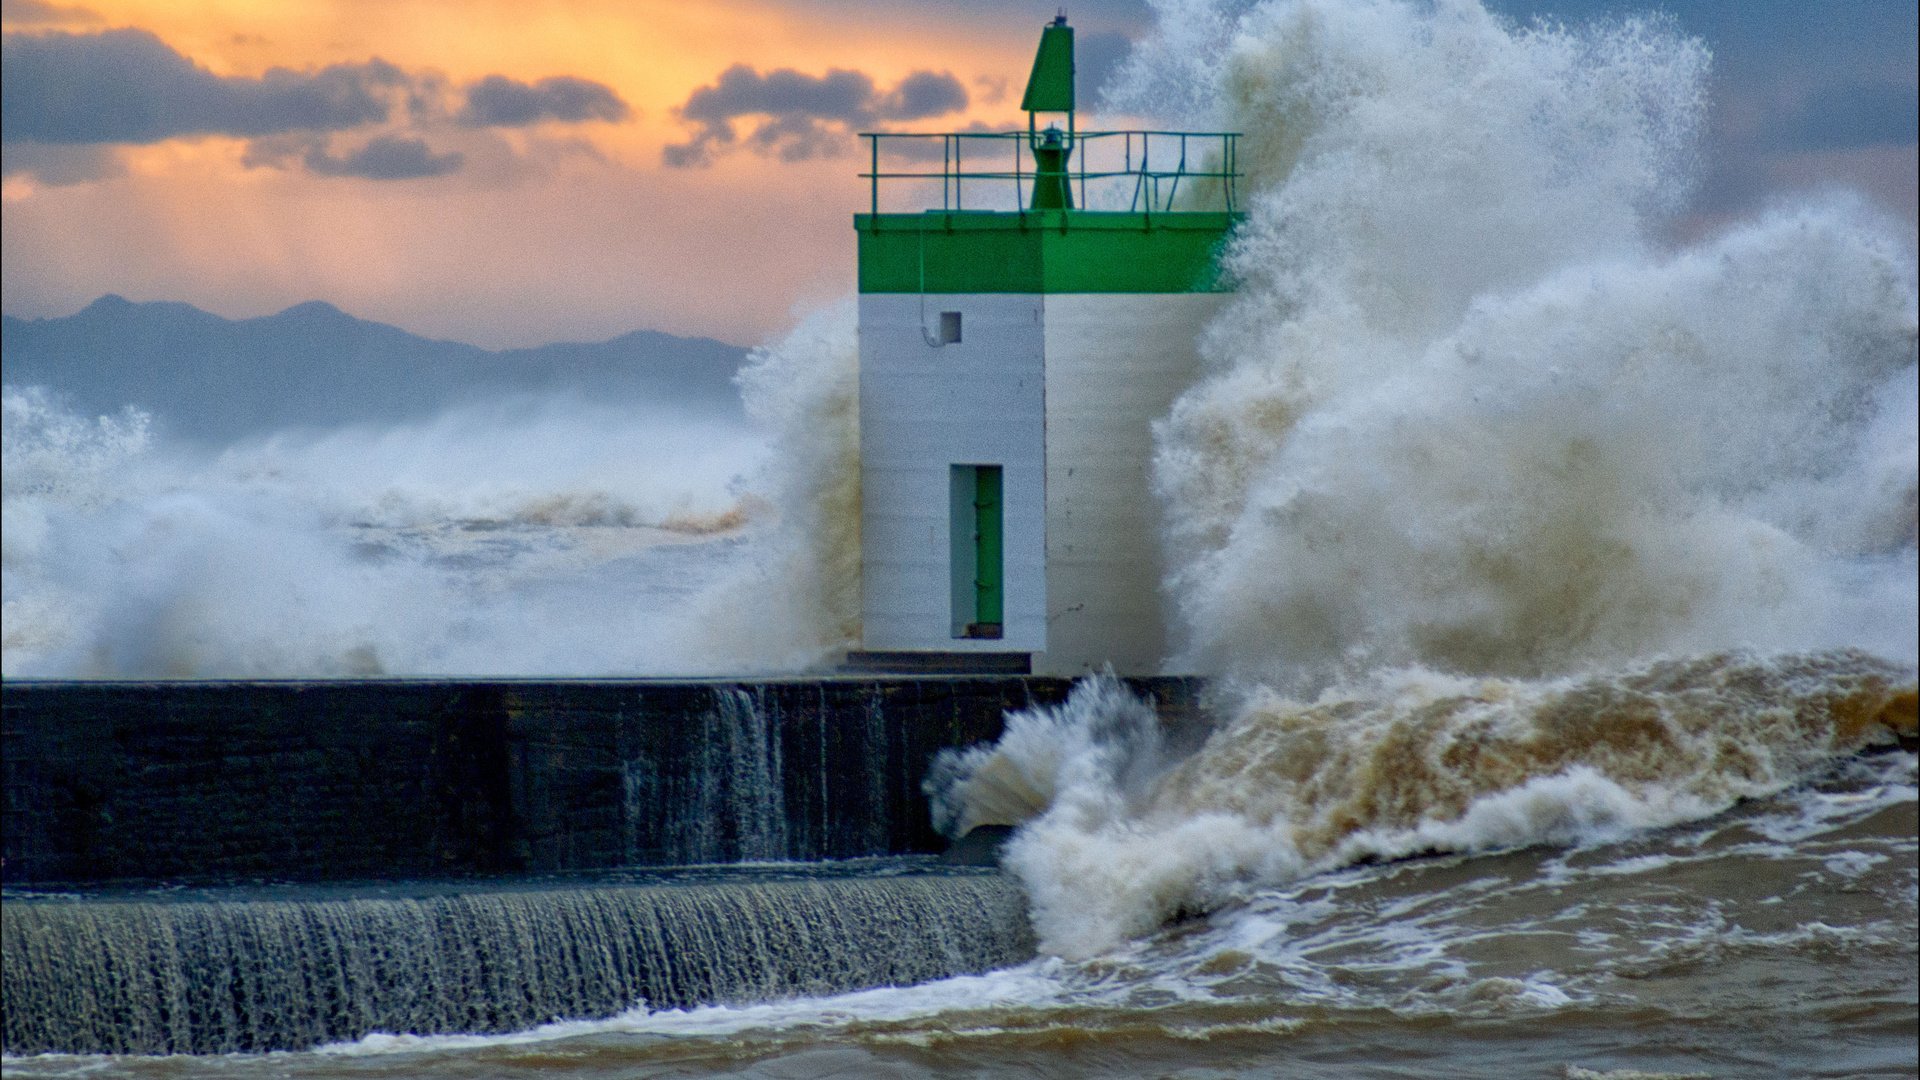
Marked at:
<point>1498,518</point>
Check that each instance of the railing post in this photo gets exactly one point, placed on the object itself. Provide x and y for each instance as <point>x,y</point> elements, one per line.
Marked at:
<point>1148,187</point>
<point>1179,171</point>
<point>1233,168</point>
<point>1081,146</point>
<point>1019,196</point>
<point>874,178</point>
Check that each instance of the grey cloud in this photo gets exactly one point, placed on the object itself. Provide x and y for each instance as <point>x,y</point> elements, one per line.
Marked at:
<point>923,94</point>
<point>804,116</point>
<point>387,157</point>
<point>280,151</point>
<point>1745,164</point>
<point>1097,57</point>
<point>497,101</point>
<point>1852,115</point>
<point>996,15</point>
<point>38,11</point>
<point>742,91</point>
<point>686,155</point>
<point>128,86</point>
<point>59,166</point>
<point>797,138</point>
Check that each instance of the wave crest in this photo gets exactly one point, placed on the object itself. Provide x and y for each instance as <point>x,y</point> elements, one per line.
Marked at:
<point>1116,839</point>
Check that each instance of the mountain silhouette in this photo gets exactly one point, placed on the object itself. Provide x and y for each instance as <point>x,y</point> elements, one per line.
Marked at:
<point>212,379</point>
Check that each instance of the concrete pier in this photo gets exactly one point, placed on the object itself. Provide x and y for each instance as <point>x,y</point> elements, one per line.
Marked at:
<point>339,781</point>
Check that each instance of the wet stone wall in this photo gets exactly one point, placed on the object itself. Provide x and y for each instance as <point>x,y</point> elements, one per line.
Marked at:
<point>342,781</point>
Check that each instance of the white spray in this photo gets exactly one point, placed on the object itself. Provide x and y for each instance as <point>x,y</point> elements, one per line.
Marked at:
<point>520,537</point>
<point>792,601</point>
<point>1466,420</point>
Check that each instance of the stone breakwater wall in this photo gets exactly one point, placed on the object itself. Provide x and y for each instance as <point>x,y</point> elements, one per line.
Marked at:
<point>203,782</point>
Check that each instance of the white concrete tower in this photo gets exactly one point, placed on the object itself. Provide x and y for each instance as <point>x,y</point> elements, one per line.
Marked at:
<point>1012,362</point>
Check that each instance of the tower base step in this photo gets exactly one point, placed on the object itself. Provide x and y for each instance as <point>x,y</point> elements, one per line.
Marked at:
<point>938,663</point>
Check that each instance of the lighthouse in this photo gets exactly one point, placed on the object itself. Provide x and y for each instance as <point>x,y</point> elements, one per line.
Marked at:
<point>1024,318</point>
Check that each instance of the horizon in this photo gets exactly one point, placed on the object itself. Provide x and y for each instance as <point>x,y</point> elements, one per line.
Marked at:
<point>320,303</point>
<point>509,181</point>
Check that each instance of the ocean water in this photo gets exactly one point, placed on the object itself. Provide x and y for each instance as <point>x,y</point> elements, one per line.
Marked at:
<point>1776,939</point>
<point>1557,577</point>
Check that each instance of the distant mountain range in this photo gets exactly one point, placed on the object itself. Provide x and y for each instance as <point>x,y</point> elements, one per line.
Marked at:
<point>313,365</point>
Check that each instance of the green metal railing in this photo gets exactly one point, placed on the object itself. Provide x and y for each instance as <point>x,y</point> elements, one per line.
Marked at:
<point>1132,171</point>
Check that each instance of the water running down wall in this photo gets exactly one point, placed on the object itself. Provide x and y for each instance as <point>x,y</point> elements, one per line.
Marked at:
<point>170,977</point>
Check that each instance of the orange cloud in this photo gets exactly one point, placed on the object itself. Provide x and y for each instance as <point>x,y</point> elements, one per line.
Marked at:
<point>545,233</point>
<point>652,52</point>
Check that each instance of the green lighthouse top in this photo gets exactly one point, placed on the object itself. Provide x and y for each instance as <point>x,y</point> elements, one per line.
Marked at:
<point>1050,87</point>
<point>1047,210</point>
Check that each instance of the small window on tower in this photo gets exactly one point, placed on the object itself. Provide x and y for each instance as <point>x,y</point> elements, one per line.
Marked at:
<point>949,328</point>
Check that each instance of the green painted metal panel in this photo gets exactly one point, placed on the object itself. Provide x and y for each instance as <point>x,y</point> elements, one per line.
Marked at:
<point>1051,189</point>
<point>1050,86</point>
<point>989,600</point>
<point>1043,251</point>
<point>902,257</point>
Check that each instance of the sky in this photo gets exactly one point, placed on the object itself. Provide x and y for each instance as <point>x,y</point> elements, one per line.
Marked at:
<point>516,172</point>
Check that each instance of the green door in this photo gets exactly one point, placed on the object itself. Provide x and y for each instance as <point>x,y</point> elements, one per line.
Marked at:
<point>989,602</point>
<point>979,595</point>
